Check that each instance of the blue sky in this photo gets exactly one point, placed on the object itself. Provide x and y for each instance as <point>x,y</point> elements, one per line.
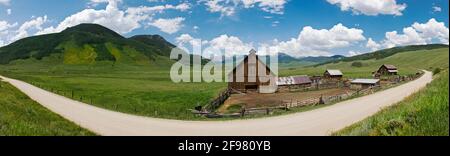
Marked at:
<point>242,24</point>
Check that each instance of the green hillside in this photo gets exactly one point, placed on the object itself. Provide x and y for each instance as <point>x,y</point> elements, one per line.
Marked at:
<point>87,44</point>
<point>408,63</point>
<point>422,114</point>
<point>21,116</point>
<point>384,53</point>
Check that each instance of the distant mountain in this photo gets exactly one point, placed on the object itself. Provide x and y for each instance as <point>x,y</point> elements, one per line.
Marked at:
<point>87,44</point>
<point>380,54</point>
<point>285,58</point>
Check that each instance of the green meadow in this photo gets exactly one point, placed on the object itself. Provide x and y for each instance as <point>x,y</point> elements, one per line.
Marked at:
<point>143,90</point>
<point>422,114</point>
<point>21,116</point>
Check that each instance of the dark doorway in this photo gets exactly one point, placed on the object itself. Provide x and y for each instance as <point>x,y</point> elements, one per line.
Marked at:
<point>251,87</point>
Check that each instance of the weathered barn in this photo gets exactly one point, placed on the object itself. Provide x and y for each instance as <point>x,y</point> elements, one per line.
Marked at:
<point>364,83</point>
<point>333,74</point>
<point>249,76</point>
<point>293,82</point>
<point>387,69</point>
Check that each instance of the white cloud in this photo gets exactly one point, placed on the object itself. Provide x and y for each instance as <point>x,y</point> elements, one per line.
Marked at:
<point>8,11</point>
<point>374,46</point>
<point>437,9</point>
<point>432,29</point>
<point>121,21</point>
<point>229,7</point>
<point>370,7</point>
<point>418,34</point>
<point>8,34</point>
<point>232,45</point>
<point>5,2</point>
<point>314,42</point>
<point>4,25</point>
<point>353,53</point>
<point>310,42</point>
<point>26,27</point>
<point>169,26</point>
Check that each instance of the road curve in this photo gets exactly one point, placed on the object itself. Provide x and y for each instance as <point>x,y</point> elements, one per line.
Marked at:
<point>316,122</point>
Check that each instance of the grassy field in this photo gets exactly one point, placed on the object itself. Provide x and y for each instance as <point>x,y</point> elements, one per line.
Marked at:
<point>142,90</point>
<point>408,63</point>
<point>425,113</point>
<point>21,116</point>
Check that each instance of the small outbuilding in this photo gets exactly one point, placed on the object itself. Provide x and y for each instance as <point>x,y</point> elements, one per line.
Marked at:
<point>387,69</point>
<point>333,74</point>
<point>364,83</point>
<point>287,84</point>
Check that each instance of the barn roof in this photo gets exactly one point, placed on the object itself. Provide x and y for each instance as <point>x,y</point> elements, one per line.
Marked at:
<point>293,80</point>
<point>365,81</point>
<point>334,72</point>
<point>390,67</point>
<point>252,52</point>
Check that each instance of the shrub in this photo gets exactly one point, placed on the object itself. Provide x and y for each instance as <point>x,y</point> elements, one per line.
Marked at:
<point>357,64</point>
<point>436,71</point>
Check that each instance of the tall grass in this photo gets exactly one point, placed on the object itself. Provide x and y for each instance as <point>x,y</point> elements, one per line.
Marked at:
<point>425,113</point>
<point>21,116</point>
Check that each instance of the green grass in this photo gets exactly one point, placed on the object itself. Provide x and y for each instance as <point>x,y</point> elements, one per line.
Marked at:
<point>425,113</point>
<point>142,90</point>
<point>21,116</point>
<point>408,63</point>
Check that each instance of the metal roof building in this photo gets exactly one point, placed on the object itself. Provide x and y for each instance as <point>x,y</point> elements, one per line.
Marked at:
<point>334,72</point>
<point>293,80</point>
<point>365,81</point>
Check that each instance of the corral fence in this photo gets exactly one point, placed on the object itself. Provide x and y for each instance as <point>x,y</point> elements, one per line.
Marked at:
<point>214,104</point>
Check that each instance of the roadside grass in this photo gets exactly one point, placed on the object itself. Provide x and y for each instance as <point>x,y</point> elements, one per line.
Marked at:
<point>425,113</point>
<point>408,63</point>
<point>21,116</point>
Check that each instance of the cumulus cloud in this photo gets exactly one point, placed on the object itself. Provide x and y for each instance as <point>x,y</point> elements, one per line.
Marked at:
<point>8,11</point>
<point>122,21</point>
<point>418,34</point>
<point>310,42</point>
<point>353,53</point>
<point>374,46</point>
<point>5,2</point>
<point>437,9</point>
<point>169,26</point>
<point>229,8</point>
<point>370,7</point>
<point>226,44</point>
<point>9,32</point>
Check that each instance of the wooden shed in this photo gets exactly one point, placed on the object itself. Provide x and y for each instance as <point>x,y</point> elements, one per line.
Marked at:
<point>293,82</point>
<point>387,69</point>
<point>333,74</point>
<point>364,83</point>
<point>249,76</point>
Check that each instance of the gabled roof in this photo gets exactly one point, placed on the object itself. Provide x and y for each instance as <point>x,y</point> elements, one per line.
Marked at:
<point>334,72</point>
<point>252,52</point>
<point>365,81</point>
<point>293,80</point>
<point>390,67</point>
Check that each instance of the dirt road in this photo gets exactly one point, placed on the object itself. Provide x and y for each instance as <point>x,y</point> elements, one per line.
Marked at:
<point>316,122</point>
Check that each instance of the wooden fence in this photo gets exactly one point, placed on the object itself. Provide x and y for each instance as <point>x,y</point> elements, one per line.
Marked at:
<point>223,96</point>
